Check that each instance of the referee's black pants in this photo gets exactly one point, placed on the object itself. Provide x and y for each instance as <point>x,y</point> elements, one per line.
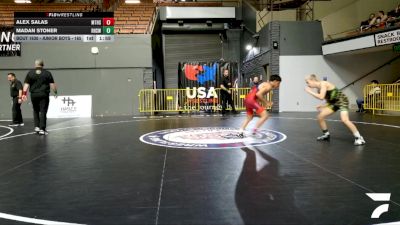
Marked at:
<point>227,99</point>
<point>40,106</point>
<point>16,111</point>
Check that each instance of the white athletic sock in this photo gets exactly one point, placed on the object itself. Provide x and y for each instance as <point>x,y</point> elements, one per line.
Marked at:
<point>240,130</point>
<point>357,134</point>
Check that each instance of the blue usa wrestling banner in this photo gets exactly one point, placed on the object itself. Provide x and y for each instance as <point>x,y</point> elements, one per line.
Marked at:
<point>201,81</point>
<point>205,74</point>
<point>8,46</point>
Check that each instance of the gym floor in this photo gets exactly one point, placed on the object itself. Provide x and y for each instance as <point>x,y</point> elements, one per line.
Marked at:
<point>100,171</point>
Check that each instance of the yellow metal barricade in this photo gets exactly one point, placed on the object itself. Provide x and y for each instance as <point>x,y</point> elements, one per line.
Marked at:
<point>191,100</point>
<point>384,97</point>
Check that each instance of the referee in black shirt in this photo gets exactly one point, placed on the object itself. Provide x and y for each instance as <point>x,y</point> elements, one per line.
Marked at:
<point>226,95</point>
<point>16,95</point>
<point>39,82</point>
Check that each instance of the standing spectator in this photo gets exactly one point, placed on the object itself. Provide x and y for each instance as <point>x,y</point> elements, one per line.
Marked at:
<point>373,92</point>
<point>226,95</point>
<point>254,82</point>
<point>16,95</point>
<point>39,81</point>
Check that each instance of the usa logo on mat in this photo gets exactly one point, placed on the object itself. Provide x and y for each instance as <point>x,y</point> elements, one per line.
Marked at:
<point>210,138</point>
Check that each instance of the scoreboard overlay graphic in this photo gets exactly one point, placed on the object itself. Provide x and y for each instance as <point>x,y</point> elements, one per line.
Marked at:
<point>64,26</point>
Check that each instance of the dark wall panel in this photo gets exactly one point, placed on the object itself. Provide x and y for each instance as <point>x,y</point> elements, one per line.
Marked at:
<point>188,47</point>
<point>301,38</point>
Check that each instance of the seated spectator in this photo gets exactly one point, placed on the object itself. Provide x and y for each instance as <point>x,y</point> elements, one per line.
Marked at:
<point>397,11</point>
<point>392,18</point>
<point>383,16</point>
<point>391,15</point>
<point>394,15</point>
<point>379,20</point>
<point>372,93</point>
<point>367,22</point>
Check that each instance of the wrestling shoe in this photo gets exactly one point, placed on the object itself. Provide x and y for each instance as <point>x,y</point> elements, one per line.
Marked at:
<point>359,141</point>
<point>43,132</point>
<point>324,137</point>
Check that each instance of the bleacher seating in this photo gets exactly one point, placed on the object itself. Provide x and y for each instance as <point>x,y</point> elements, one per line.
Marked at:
<point>129,18</point>
<point>134,19</point>
<point>190,4</point>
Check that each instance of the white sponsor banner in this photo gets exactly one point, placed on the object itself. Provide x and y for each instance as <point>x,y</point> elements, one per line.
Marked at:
<point>70,106</point>
<point>348,45</point>
<point>386,38</point>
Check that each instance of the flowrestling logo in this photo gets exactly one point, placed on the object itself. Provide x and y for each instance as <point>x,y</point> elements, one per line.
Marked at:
<point>210,138</point>
<point>380,197</point>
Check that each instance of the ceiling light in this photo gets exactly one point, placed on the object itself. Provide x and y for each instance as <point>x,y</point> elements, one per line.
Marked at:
<point>132,1</point>
<point>22,1</point>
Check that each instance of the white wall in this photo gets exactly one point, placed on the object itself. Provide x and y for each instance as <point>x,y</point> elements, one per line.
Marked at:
<point>351,67</point>
<point>293,69</point>
<point>339,69</point>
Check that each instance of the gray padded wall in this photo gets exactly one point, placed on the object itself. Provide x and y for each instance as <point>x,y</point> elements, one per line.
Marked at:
<point>114,76</point>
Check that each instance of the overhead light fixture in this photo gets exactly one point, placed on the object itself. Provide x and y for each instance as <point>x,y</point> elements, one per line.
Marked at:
<point>132,1</point>
<point>275,45</point>
<point>22,1</point>
<point>249,47</point>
